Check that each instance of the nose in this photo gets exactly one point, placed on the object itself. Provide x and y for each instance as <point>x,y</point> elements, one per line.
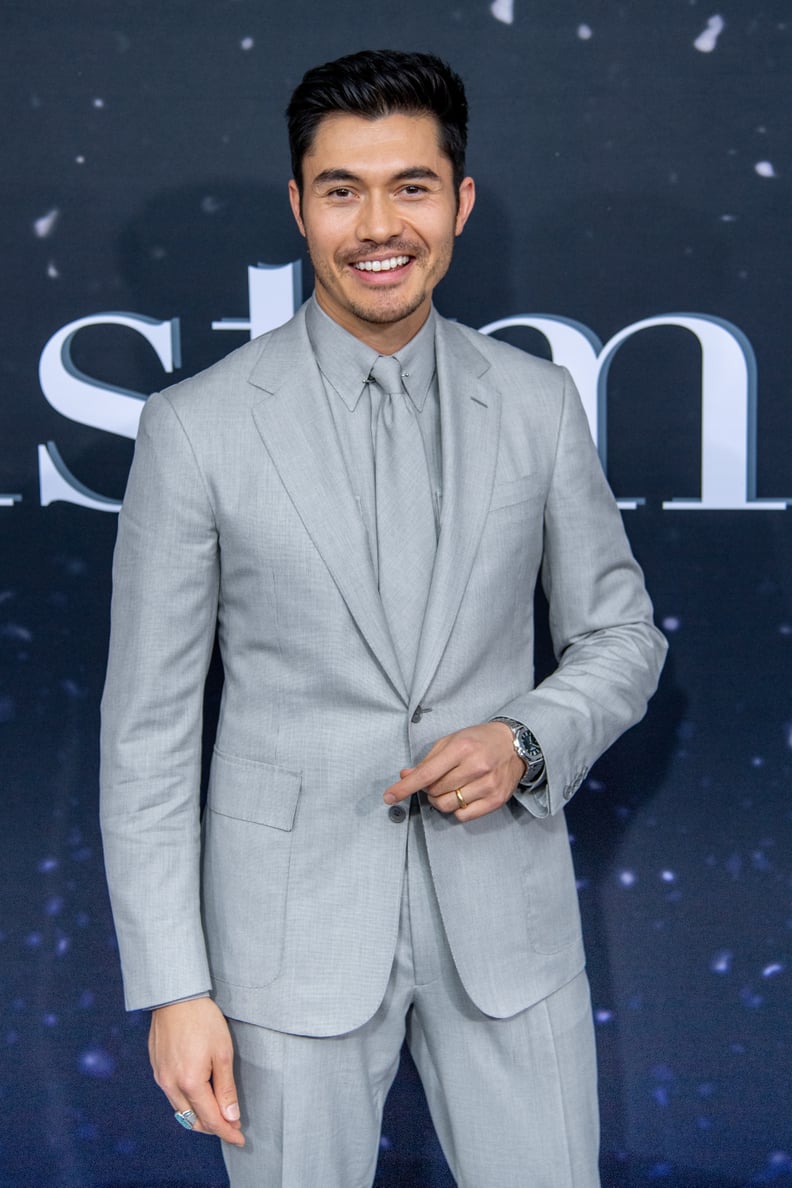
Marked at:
<point>379,220</point>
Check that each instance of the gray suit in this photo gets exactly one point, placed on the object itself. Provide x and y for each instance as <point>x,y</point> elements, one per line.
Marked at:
<point>285,900</point>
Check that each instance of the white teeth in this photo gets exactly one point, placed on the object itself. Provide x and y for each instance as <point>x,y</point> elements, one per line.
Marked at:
<point>382,265</point>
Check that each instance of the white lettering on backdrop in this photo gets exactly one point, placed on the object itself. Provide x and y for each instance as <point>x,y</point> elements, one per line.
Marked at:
<point>728,389</point>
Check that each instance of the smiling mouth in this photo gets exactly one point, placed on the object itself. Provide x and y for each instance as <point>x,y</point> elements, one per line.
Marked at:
<point>382,265</point>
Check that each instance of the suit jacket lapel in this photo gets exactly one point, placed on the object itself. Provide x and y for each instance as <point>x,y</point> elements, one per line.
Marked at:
<point>298,432</point>
<point>470,425</point>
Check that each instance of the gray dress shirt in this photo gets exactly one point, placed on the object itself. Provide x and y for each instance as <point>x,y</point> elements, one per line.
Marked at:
<point>345,363</point>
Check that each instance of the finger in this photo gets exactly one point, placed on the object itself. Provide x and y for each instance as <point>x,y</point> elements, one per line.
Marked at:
<point>187,1118</point>
<point>468,810</point>
<point>180,1101</point>
<point>225,1091</point>
<point>402,789</point>
<point>449,802</point>
<point>453,762</point>
<point>481,807</point>
<point>408,785</point>
<point>473,810</point>
<point>210,1119</point>
<point>477,798</point>
<point>472,785</point>
<point>433,768</point>
<point>181,1104</point>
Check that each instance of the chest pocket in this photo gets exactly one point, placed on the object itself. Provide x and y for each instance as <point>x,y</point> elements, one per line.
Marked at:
<point>517,490</point>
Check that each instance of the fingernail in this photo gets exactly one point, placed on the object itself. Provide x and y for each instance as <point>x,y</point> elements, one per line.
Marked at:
<point>232,1112</point>
<point>389,798</point>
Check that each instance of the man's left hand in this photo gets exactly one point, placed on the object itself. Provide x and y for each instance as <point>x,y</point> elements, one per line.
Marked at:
<point>479,762</point>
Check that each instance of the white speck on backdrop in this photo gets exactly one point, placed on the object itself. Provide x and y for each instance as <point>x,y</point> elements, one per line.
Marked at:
<point>765,169</point>
<point>503,10</point>
<point>721,962</point>
<point>707,40</point>
<point>585,32</point>
<point>46,224</point>
<point>770,971</point>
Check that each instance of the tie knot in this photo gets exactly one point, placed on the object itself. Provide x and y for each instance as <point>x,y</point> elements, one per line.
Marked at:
<point>387,372</point>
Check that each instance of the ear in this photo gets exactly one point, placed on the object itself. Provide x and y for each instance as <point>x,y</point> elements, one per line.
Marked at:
<point>467,200</point>
<point>296,205</point>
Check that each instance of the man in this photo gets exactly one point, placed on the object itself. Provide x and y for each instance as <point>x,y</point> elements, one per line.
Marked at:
<point>383,850</point>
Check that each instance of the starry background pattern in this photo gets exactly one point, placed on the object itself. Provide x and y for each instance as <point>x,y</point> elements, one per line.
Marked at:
<point>632,159</point>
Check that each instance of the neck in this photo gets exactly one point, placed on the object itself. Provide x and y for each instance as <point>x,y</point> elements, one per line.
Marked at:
<point>386,338</point>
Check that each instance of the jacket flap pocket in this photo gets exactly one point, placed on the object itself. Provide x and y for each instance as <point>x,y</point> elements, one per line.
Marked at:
<point>253,791</point>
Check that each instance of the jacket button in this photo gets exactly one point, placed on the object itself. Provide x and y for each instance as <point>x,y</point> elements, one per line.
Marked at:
<point>397,812</point>
<point>417,715</point>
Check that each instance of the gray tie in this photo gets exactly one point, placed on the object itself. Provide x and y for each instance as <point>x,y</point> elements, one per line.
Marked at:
<point>406,534</point>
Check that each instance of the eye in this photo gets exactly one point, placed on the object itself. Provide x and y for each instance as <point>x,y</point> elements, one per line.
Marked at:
<point>413,190</point>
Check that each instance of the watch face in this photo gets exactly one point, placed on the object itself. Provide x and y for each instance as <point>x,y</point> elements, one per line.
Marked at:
<point>529,747</point>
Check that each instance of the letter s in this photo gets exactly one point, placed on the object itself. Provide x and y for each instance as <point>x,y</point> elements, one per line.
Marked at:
<point>91,402</point>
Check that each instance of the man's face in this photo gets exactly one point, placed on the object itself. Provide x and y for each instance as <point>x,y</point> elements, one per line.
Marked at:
<point>379,212</point>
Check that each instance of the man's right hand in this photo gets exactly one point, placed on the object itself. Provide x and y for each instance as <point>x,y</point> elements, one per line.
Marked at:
<point>192,1056</point>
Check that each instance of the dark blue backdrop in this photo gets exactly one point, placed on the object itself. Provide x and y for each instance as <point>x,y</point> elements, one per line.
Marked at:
<point>633,160</point>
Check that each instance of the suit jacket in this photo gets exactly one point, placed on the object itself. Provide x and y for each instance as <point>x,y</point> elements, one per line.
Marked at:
<point>284,897</point>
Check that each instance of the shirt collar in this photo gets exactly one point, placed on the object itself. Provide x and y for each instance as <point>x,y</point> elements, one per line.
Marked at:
<point>346,362</point>
<point>418,361</point>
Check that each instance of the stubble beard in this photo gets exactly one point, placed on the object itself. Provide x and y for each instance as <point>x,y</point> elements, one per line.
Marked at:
<point>383,313</point>
<point>378,310</point>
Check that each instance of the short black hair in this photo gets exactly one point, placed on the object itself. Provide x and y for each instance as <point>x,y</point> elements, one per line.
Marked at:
<point>376,83</point>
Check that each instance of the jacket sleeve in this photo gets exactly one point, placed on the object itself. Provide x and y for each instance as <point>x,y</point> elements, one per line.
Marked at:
<point>608,650</point>
<point>164,610</point>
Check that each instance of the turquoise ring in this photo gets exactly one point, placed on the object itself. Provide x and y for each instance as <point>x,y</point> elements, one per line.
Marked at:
<point>186,1118</point>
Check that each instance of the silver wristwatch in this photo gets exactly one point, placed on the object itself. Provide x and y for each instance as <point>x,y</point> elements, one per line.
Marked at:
<point>528,749</point>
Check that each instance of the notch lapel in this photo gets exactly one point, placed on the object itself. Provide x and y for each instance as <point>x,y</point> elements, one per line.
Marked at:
<point>470,425</point>
<point>297,429</point>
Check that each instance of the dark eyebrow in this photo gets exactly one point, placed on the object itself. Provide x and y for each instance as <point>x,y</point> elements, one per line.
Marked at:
<point>334,175</point>
<point>417,173</point>
<point>345,177</point>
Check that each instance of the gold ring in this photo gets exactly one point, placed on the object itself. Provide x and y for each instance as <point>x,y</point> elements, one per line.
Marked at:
<point>460,798</point>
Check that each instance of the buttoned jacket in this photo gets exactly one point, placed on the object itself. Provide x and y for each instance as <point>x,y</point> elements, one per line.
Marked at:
<point>283,895</point>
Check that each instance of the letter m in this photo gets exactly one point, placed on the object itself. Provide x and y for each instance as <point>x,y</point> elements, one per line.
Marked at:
<point>728,399</point>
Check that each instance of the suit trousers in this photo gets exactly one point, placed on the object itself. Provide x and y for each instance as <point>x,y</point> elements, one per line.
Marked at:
<point>513,1101</point>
